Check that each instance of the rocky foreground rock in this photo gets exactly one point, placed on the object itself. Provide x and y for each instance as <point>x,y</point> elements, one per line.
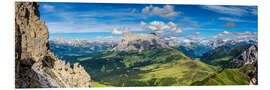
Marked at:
<point>139,42</point>
<point>36,66</point>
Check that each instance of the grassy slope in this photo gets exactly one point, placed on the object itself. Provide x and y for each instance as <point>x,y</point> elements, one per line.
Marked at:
<point>237,76</point>
<point>156,67</point>
<point>97,84</point>
<point>221,55</point>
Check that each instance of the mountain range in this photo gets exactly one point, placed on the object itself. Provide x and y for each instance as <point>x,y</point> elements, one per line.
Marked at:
<point>147,60</point>
<point>136,60</point>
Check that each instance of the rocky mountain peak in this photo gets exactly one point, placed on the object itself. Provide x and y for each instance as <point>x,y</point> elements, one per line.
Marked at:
<point>250,56</point>
<point>139,42</point>
<point>36,66</point>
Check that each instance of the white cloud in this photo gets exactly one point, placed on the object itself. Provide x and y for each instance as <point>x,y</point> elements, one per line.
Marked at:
<point>237,35</point>
<point>116,31</point>
<point>166,12</point>
<point>234,19</point>
<point>176,30</point>
<point>226,32</point>
<point>47,7</point>
<point>119,31</point>
<point>172,24</point>
<point>160,27</point>
<point>237,11</point>
<point>142,24</point>
<point>179,31</point>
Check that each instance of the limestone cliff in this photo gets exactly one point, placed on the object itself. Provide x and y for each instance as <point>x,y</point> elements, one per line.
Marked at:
<point>250,56</point>
<point>139,42</point>
<point>36,66</point>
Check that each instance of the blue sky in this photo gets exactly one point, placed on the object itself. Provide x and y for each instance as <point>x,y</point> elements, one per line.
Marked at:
<point>202,21</point>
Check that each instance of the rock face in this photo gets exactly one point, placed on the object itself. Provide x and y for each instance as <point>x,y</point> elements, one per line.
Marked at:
<point>171,43</point>
<point>254,75</point>
<point>139,42</point>
<point>36,66</point>
<point>249,56</point>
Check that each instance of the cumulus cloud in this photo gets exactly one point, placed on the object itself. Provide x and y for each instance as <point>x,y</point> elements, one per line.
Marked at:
<point>166,11</point>
<point>119,31</point>
<point>172,24</point>
<point>160,27</point>
<point>176,30</point>
<point>231,10</point>
<point>229,25</point>
<point>226,32</point>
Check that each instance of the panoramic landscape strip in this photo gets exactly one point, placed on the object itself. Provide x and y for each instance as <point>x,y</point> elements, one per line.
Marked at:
<point>85,45</point>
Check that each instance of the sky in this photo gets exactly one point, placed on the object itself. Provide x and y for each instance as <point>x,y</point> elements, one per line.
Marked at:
<point>173,21</point>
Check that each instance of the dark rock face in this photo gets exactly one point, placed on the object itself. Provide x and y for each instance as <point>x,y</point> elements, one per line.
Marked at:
<point>35,65</point>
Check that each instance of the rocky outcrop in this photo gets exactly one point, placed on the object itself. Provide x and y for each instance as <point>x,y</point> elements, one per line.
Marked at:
<point>249,56</point>
<point>254,75</point>
<point>36,66</point>
<point>139,42</point>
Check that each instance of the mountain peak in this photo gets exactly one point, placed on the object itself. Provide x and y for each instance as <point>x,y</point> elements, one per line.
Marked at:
<point>139,42</point>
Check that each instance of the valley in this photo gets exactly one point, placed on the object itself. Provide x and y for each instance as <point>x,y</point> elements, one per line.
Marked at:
<point>158,66</point>
<point>85,45</point>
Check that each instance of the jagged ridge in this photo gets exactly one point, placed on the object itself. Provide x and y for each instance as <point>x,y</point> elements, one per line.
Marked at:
<point>36,66</point>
